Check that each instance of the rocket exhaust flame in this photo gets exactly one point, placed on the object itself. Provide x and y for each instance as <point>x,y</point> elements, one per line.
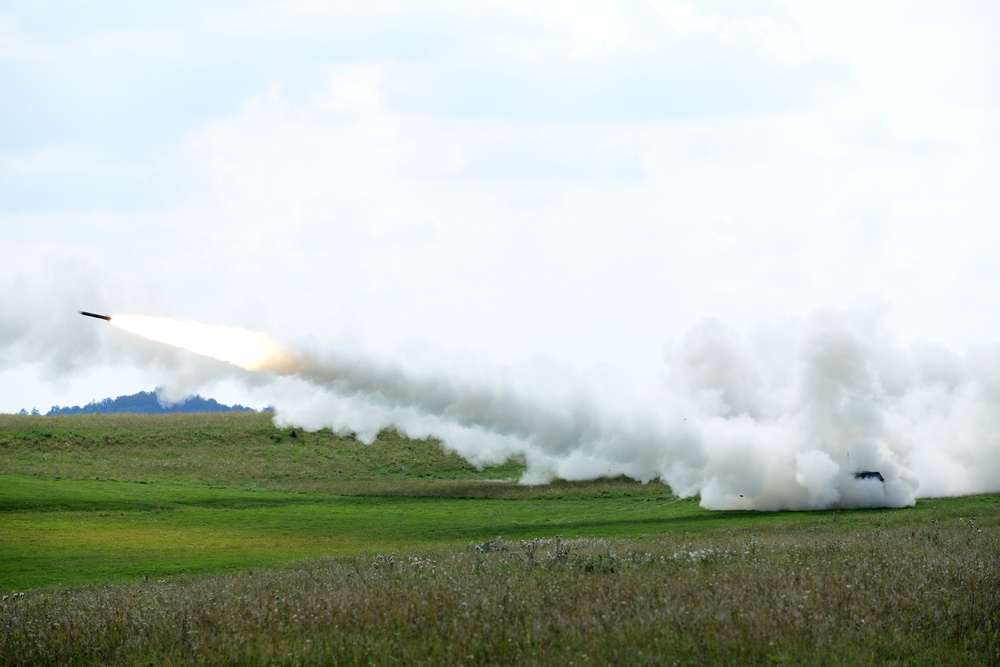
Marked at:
<point>247,349</point>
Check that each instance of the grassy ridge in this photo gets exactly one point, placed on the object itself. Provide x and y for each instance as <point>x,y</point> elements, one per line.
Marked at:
<point>228,449</point>
<point>220,539</point>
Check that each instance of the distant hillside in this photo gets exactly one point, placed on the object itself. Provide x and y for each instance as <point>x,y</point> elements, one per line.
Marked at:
<point>146,402</point>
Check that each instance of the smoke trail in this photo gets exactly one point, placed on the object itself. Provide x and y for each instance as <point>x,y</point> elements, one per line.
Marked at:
<point>573,435</point>
<point>789,434</point>
<point>739,424</point>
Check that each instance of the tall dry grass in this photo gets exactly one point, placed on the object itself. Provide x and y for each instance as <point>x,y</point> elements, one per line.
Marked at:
<point>928,594</point>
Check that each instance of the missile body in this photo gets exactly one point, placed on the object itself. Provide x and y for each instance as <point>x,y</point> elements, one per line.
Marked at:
<point>100,317</point>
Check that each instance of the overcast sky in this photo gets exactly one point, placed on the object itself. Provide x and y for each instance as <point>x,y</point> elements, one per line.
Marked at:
<point>573,181</point>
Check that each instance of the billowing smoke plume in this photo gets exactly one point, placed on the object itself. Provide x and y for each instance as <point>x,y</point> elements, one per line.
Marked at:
<point>782,418</point>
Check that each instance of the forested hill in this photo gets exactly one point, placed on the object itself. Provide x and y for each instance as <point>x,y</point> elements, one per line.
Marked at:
<point>146,402</point>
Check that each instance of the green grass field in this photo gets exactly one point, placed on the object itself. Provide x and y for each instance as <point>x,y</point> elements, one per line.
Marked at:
<point>115,531</point>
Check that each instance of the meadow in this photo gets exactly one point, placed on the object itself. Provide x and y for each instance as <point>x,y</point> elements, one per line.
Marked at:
<point>219,539</point>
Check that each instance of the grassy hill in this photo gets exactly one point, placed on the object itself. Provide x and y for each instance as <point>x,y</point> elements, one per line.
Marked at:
<point>234,449</point>
<point>219,538</point>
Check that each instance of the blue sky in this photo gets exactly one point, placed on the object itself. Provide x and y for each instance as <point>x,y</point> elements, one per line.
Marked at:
<point>573,181</point>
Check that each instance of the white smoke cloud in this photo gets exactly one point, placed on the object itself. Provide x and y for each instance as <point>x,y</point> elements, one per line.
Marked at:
<point>738,423</point>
